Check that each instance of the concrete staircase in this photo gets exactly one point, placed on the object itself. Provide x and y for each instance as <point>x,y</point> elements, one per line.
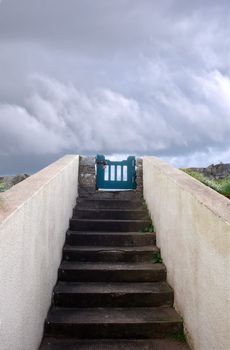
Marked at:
<point>111,293</point>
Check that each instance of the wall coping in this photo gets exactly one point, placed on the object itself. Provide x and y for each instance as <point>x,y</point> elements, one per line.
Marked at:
<point>212,200</point>
<point>18,195</point>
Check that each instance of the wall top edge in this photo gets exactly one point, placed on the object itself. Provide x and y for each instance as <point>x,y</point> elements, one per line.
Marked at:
<point>18,195</point>
<point>213,200</point>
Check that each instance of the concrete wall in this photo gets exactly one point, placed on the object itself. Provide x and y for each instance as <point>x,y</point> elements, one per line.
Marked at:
<point>34,217</point>
<point>193,232</point>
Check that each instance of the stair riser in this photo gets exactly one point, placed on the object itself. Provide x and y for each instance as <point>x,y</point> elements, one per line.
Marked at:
<point>111,276</point>
<point>111,240</point>
<point>112,226</point>
<point>109,204</point>
<point>110,214</point>
<point>102,256</point>
<point>113,300</point>
<point>115,331</point>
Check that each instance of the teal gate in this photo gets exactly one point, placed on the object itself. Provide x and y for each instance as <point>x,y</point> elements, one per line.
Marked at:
<point>116,175</point>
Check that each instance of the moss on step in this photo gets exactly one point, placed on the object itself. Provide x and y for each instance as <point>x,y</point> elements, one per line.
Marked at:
<point>149,228</point>
<point>180,336</point>
<point>157,259</point>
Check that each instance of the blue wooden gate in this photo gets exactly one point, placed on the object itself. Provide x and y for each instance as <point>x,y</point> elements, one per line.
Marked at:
<point>115,174</point>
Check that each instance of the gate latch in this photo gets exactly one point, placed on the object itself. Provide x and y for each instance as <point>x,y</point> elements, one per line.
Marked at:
<point>101,163</point>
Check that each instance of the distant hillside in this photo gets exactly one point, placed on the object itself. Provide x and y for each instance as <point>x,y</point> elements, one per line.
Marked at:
<point>215,176</point>
<point>218,171</point>
<point>7,182</point>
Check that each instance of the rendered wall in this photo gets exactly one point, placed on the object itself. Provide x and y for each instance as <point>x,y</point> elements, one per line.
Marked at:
<point>193,231</point>
<point>34,217</point>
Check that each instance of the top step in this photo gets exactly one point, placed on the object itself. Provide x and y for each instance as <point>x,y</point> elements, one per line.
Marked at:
<point>91,193</point>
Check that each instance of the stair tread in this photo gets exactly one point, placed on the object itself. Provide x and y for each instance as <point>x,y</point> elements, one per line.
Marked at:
<point>112,287</point>
<point>118,344</point>
<point>110,220</point>
<point>130,203</point>
<point>138,200</point>
<point>111,209</point>
<point>110,203</point>
<point>97,248</point>
<point>113,315</point>
<point>110,238</point>
<point>110,213</point>
<point>92,189</point>
<point>115,233</point>
<point>112,266</point>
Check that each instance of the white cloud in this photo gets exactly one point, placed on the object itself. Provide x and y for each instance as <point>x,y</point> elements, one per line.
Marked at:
<point>21,133</point>
<point>57,117</point>
<point>200,159</point>
<point>157,83</point>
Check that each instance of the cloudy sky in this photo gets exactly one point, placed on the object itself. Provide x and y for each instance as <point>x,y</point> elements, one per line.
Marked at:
<point>114,77</point>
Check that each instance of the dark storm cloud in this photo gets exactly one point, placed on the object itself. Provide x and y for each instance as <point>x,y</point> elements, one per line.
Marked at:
<point>118,76</point>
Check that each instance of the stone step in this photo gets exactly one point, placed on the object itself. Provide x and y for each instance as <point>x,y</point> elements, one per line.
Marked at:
<point>109,254</point>
<point>117,344</point>
<point>111,272</point>
<point>104,294</point>
<point>110,294</point>
<point>109,204</point>
<point>110,239</point>
<point>90,192</point>
<point>108,225</point>
<point>113,322</point>
<point>110,214</point>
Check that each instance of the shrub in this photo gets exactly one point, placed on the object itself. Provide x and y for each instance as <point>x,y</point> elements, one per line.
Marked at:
<point>221,186</point>
<point>2,187</point>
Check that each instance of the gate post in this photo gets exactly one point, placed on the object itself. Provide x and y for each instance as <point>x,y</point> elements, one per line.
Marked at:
<point>87,175</point>
<point>100,162</point>
<point>139,175</point>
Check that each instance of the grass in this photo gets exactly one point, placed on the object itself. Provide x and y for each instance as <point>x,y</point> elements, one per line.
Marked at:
<point>2,187</point>
<point>221,186</point>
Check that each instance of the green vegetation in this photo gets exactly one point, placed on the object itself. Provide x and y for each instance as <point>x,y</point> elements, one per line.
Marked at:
<point>180,336</point>
<point>2,187</point>
<point>157,259</point>
<point>221,186</point>
<point>149,228</point>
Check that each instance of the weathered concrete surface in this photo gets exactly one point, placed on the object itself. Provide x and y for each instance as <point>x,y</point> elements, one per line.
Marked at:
<point>193,231</point>
<point>34,216</point>
<point>139,174</point>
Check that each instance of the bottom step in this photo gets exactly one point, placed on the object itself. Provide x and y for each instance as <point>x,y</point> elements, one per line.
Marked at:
<point>109,323</point>
<point>71,344</point>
